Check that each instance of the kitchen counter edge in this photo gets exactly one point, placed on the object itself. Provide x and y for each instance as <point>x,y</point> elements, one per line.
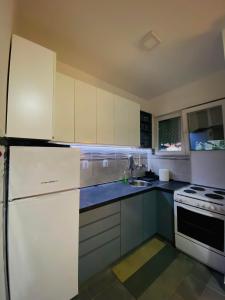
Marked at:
<point>102,194</point>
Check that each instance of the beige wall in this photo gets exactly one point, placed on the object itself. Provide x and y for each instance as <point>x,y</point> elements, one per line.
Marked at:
<point>6,25</point>
<point>201,91</point>
<point>78,74</point>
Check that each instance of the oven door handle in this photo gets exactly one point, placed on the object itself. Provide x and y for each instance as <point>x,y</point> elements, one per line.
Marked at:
<point>200,211</point>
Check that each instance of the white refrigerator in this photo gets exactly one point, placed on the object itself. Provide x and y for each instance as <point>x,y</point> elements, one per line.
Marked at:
<point>2,227</point>
<point>43,223</point>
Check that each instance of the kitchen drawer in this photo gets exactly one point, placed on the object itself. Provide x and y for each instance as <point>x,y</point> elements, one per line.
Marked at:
<point>99,240</point>
<point>98,260</point>
<point>99,213</point>
<point>100,226</point>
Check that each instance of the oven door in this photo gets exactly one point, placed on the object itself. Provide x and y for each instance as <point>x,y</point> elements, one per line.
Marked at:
<point>200,226</point>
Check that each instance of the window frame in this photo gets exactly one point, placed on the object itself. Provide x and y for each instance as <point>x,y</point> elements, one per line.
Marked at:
<point>156,131</point>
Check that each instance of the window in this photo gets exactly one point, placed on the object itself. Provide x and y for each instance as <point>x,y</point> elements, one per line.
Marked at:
<point>169,134</point>
<point>206,130</point>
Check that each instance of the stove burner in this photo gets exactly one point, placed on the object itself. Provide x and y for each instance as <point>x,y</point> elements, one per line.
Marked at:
<point>197,188</point>
<point>214,196</point>
<point>189,191</point>
<point>220,192</point>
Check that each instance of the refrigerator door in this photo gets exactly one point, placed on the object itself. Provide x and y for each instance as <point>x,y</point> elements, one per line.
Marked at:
<point>2,266</point>
<point>43,247</point>
<point>2,150</point>
<point>41,170</point>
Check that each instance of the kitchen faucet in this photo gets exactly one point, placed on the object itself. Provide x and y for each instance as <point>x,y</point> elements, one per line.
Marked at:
<point>131,165</point>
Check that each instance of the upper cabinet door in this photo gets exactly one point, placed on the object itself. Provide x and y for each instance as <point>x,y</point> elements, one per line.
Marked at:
<point>121,121</point>
<point>133,124</point>
<point>127,122</point>
<point>85,112</point>
<point>64,109</point>
<point>105,117</point>
<point>31,90</point>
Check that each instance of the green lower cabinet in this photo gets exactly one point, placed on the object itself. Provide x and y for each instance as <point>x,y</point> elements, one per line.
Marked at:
<point>99,236</point>
<point>138,220</point>
<point>131,223</point>
<point>149,214</point>
<point>145,215</point>
<point>108,232</point>
<point>165,215</point>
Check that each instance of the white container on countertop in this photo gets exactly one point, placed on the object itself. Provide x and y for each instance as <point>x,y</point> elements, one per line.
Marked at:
<point>164,175</point>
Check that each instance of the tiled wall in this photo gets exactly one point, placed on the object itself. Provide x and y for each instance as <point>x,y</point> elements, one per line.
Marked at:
<point>199,168</point>
<point>179,167</point>
<point>115,160</point>
<point>208,168</point>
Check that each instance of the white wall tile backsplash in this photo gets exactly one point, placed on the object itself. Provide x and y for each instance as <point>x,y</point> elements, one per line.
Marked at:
<point>203,167</point>
<point>179,168</point>
<point>98,171</point>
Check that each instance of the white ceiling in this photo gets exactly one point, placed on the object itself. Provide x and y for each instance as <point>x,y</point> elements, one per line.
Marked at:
<point>104,37</point>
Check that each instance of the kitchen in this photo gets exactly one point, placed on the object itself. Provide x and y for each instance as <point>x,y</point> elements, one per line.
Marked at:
<point>112,153</point>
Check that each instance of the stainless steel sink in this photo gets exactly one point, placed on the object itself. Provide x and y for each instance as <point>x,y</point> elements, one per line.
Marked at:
<point>139,183</point>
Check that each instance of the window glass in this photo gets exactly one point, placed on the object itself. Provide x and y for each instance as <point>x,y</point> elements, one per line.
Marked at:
<point>206,130</point>
<point>170,134</point>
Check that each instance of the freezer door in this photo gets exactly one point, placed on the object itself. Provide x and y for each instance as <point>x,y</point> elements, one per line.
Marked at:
<point>2,266</point>
<point>42,170</point>
<point>43,247</point>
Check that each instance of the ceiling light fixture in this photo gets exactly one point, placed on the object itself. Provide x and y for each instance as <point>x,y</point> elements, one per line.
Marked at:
<point>150,41</point>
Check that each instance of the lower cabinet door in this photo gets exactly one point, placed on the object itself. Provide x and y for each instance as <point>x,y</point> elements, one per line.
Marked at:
<point>131,223</point>
<point>98,259</point>
<point>149,214</point>
<point>165,221</point>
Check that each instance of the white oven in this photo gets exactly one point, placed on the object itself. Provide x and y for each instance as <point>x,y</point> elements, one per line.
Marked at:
<point>201,234</point>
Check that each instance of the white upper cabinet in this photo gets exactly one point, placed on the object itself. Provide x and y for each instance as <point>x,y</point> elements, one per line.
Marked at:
<point>127,122</point>
<point>133,124</point>
<point>105,117</point>
<point>63,110</point>
<point>85,113</point>
<point>121,121</point>
<point>31,90</point>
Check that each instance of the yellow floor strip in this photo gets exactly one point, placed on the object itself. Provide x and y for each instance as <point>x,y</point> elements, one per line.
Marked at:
<point>136,260</point>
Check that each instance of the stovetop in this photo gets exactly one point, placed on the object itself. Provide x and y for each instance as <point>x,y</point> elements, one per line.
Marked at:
<point>208,198</point>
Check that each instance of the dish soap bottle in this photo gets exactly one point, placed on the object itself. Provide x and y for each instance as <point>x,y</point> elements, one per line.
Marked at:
<point>125,176</point>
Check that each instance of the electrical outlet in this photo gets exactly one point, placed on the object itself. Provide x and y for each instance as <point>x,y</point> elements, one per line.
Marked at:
<point>105,163</point>
<point>84,164</point>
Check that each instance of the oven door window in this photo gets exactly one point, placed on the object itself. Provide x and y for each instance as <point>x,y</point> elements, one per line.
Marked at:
<point>205,229</point>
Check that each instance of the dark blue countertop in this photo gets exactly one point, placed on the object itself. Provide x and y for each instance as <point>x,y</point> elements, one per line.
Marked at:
<point>102,194</point>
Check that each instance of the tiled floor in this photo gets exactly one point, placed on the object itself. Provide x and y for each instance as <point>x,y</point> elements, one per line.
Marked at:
<point>182,278</point>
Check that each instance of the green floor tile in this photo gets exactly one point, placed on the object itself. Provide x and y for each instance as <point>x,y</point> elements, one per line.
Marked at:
<point>209,294</point>
<point>115,292</point>
<point>144,277</point>
<point>166,284</point>
<point>191,288</point>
